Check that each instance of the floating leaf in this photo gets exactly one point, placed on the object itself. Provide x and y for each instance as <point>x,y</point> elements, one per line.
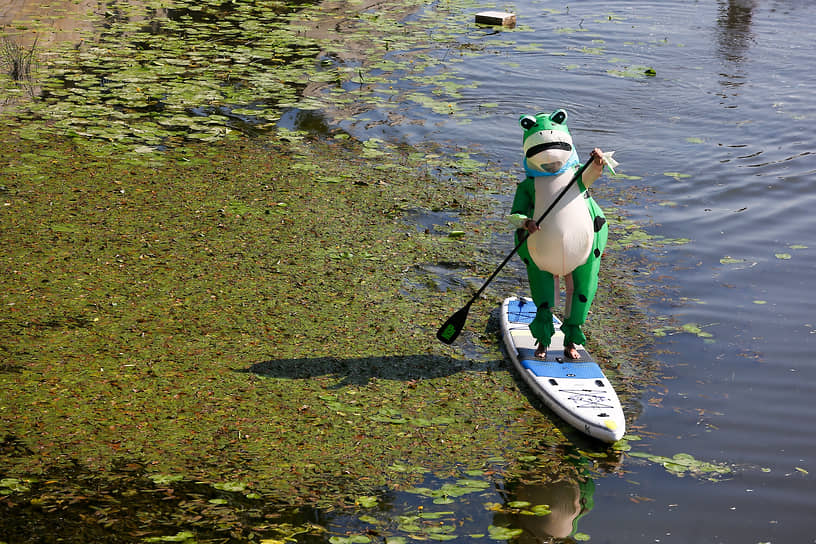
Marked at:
<point>479,484</point>
<point>230,486</point>
<point>677,175</point>
<point>182,536</point>
<point>635,71</point>
<point>353,539</point>
<point>503,533</point>
<point>675,467</point>
<point>783,256</point>
<point>400,467</point>
<point>366,501</point>
<point>684,463</point>
<point>164,479</point>
<point>540,510</point>
<point>12,485</point>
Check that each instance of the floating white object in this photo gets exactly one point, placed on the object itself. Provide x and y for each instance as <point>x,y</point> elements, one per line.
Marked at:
<point>496,18</point>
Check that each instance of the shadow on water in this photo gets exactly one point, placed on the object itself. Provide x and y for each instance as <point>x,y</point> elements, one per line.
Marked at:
<point>360,370</point>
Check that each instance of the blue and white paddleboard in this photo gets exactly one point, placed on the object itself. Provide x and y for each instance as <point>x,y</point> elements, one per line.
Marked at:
<point>576,390</point>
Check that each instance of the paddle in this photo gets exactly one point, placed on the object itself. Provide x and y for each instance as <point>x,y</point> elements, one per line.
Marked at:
<point>451,328</point>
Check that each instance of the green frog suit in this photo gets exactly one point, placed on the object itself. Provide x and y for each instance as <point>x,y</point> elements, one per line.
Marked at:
<point>572,237</point>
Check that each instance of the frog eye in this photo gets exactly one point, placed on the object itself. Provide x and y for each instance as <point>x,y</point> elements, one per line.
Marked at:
<point>527,122</point>
<point>558,116</point>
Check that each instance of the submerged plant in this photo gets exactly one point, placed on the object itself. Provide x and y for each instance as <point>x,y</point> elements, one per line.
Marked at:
<point>18,60</point>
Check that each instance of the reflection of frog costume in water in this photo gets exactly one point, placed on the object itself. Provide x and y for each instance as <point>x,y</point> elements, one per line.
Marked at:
<point>569,496</point>
<point>571,238</point>
<point>568,501</point>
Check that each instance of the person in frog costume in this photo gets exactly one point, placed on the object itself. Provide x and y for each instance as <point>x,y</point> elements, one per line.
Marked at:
<point>570,240</point>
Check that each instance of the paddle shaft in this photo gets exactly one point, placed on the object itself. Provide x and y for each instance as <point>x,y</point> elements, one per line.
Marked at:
<point>527,233</point>
<point>453,326</point>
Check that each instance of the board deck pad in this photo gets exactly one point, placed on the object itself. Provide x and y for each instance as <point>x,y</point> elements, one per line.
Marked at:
<point>577,390</point>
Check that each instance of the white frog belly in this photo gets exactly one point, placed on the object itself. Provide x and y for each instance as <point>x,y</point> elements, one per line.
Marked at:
<point>565,239</point>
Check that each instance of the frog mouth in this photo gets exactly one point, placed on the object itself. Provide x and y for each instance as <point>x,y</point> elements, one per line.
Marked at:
<point>538,148</point>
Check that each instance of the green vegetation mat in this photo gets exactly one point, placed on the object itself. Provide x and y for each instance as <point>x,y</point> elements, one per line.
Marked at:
<point>219,334</point>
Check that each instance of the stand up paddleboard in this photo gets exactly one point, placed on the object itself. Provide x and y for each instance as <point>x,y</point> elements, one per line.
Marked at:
<point>576,390</point>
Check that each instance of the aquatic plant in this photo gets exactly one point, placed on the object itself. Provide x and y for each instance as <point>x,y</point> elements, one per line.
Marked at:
<point>203,71</point>
<point>18,60</point>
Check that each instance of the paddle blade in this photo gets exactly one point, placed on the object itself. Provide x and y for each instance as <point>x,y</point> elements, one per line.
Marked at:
<point>449,330</point>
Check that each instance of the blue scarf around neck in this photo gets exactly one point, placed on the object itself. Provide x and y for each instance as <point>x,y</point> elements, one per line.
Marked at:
<point>571,162</point>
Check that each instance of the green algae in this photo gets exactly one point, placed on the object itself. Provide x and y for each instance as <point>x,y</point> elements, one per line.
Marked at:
<point>688,328</point>
<point>151,78</point>
<point>143,310</point>
<point>633,234</point>
<point>684,464</point>
<point>228,332</point>
<point>680,464</point>
<point>212,319</point>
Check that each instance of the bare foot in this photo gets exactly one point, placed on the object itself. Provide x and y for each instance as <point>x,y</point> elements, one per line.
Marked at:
<point>570,352</point>
<point>540,352</point>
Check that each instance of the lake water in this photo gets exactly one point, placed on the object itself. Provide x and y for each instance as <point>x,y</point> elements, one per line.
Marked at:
<point>720,136</point>
<point>717,149</point>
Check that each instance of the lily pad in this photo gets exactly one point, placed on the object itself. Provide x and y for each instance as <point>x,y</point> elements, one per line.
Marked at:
<point>230,486</point>
<point>353,539</point>
<point>366,501</point>
<point>503,533</point>
<point>164,479</point>
<point>12,485</point>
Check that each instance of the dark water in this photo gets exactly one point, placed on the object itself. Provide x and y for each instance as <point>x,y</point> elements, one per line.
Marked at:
<point>722,137</point>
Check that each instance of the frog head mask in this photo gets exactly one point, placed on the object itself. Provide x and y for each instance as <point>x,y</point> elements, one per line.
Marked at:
<point>547,144</point>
